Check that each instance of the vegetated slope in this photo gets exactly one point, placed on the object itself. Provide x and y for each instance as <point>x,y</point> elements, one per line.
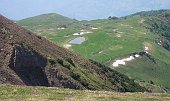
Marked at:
<point>160,25</point>
<point>16,93</point>
<point>146,71</point>
<point>156,72</point>
<point>48,20</point>
<point>149,13</point>
<point>115,39</point>
<point>154,68</point>
<point>28,59</point>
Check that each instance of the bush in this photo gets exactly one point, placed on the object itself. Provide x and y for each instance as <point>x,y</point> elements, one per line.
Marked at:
<point>75,76</point>
<point>64,63</point>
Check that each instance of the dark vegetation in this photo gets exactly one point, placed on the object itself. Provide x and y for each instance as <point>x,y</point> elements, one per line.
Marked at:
<point>112,18</point>
<point>27,59</point>
<point>160,24</point>
<point>149,13</point>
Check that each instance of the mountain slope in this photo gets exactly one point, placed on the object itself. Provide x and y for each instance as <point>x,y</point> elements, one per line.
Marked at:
<point>28,59</point>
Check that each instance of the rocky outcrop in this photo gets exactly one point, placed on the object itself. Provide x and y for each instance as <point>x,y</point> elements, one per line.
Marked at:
<point>35,70</point>
<point>29,66</point>
<point>57,79</point>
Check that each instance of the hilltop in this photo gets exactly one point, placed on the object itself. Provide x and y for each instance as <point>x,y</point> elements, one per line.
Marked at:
<point>140,41</point>
<point>48,20</point>
<point>28,59</point>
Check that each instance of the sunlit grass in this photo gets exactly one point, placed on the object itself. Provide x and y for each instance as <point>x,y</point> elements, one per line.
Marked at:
<point>21,93</point>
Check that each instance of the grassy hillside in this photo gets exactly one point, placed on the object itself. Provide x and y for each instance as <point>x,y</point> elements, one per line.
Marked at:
<point>155,73</point>
<point>158,23</point>
<point>119,38</point>
<point>18,93</point>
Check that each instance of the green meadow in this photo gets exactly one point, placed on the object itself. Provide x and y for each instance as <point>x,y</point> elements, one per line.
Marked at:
<point>21,93</point>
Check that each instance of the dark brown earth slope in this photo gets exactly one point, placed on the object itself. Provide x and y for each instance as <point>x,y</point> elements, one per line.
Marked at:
<point>28,59</point>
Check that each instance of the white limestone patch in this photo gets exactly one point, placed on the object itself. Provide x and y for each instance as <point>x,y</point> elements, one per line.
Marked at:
<point>159,43</point>
<point>88,32</point>
<point>94,28</point>
<point>118,62</point>
<point>146,48</point>
<point>124,60</point>
<point>81,33</point>
<point>61,28</point>
<point>118,35</point>
<point>67,45</point>
<point>128,59</point>
<point>137,55</point>
<point>82,30</point>
<point>100,52</point>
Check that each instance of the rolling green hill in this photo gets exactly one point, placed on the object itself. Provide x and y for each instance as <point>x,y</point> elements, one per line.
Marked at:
<point>46,20</point>
<point>108,40</point>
